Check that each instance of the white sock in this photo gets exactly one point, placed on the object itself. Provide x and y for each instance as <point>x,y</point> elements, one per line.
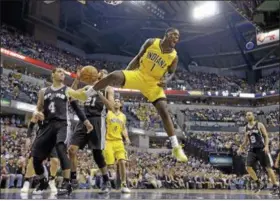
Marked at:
<point>174,141</point>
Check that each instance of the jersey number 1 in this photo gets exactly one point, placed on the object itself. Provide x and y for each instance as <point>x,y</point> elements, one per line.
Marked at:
<point>52,107</point>
<point>153,67</point>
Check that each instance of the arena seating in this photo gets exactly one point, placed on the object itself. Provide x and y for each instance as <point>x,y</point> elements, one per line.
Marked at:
<point>145,170</point>
<point>13,40</point>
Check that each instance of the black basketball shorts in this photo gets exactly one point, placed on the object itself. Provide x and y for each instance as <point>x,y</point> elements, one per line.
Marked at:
<point>260,156</point>
<point>95,139</point>
<point>48,136</point>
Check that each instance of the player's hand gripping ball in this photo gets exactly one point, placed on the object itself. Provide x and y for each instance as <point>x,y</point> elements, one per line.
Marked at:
<point>89,74</point>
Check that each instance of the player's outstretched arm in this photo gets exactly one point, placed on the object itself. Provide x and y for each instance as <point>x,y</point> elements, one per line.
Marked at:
<point>109,99</point>
<point>135,62</point>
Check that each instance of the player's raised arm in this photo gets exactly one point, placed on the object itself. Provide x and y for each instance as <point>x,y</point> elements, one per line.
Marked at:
<point>265,136</point>
<point>108,99</point>
<point>80,94</point>
<point>76,81</point>
<point>135,62</point>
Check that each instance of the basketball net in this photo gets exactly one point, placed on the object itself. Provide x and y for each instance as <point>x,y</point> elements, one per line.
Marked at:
<point>113,2</point>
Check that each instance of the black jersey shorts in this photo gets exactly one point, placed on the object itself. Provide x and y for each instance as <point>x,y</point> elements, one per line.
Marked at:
<point>48,136</point>
<point>95,139</point>
<point>258,155</point>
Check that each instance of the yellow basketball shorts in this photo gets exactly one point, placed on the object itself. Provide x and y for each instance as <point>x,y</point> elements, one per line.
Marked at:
<point>135,79</point>
<point>114,150</point>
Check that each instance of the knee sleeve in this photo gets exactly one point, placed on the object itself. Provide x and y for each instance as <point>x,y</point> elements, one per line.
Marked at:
<point>38,166</point>
<point>99,158</point>
<point>62,155</point>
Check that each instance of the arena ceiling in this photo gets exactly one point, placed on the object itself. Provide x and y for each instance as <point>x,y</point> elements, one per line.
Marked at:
<point>217,41</point>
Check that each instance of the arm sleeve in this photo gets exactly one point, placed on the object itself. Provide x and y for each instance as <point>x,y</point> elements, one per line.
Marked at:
<point>78,111</point>
<point>30,129</point>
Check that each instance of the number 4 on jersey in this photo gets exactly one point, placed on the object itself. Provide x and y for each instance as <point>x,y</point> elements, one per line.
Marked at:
<point>52,107</point>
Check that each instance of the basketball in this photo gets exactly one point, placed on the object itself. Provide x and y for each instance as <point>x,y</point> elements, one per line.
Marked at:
<point>89,74</point>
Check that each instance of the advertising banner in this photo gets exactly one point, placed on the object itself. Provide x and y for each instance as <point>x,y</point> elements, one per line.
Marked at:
<point>5,103</point>
<point>219,160</point>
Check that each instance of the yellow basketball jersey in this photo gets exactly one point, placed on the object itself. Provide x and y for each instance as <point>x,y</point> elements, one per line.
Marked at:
<point>154,62</point>
<point>115,125</point>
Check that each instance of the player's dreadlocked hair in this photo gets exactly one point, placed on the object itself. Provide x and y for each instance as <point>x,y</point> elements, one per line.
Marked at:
<point>170,29</point>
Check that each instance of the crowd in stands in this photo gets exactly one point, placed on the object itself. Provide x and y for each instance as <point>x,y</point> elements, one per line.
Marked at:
<point>13,88</point>
<point>219,142</point>
<point>225,115</point>
<point>144,170</point>
<point>13,40</point>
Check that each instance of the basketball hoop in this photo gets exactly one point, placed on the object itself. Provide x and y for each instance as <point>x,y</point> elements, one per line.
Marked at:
<point>113,2</point>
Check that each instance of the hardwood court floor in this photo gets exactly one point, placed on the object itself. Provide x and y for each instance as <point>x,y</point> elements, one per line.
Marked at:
<point>145,194</point>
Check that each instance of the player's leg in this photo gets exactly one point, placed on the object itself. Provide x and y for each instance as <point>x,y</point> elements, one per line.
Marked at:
<point>162,108</point>
<point>78,141</point>
<point>61,150</point>
<point>28,174</point>
<point>127,79</point>
<point>267,162</point>
<point>54,163</point>
<point>115,79</point>
<point>120,155</point>
<point>251,161</point>
<point>41,149</point>
<point>72,150</point>
<point>97,144</point>
<point>100,162</point>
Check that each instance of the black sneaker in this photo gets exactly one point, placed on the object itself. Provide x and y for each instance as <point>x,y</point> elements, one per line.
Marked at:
<point>259,187</point>
<point>41,187</point>
<point>275,190</point>
<point>66,189</point>
<point>105,188</point>
<point>74,183</point>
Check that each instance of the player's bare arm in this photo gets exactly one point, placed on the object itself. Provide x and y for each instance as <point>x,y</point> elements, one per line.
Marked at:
<point>265,136</point>
<point>125,133</point>
<point>171,72</point>
<point>244,144</point>
<point>40,105</point>
<point>76,82</point>
<point>135,62</point>
<point>81,115</point>
<point>109,101</point>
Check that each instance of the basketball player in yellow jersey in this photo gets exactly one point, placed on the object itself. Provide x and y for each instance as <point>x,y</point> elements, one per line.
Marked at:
<point>149,72</point>
<point>114,147</point>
